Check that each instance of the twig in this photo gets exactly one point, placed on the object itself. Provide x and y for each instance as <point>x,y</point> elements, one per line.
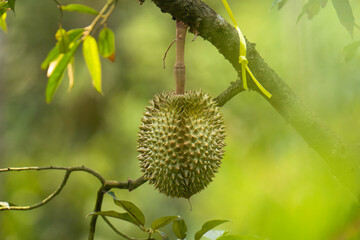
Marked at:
<point>68,170</point>
<point>98,204</point>
<point>117,231</point>
<point>234,88</point>
<point>90,28</point>
<point>167,50</point>
<point>107,185</point>
<point>179,68</point>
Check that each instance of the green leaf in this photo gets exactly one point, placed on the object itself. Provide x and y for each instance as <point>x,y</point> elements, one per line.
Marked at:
<point>311,8</point>
<point>279,3</point>
<point>106,42</point>
<point>122,216</point>
<point>12,4</point>
<point>163,235</point>
<point>92,59</point>
<point>231,237</point>
<point>74,34</point>
<point>4,204</point>
<point>52,55</point>
<point>179,228</point>
<point>349,51</point>
<point>323,3</point>
<point>133,210</point>
<point>213,234</point>
<point>3,25</point>
<point>163,221</point>
<point>63,40</point>
<point>207,227</point>
<point>345,14</point>
<point>71,74</point>
<point>238,237</point>
<point>79,8</point>
<point>58,72</point>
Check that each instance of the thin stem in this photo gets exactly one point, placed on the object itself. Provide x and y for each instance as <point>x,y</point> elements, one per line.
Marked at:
<point>43,202</point>
<point>167,50</point>
<point>98,204</point>
<point>179,68</point>
<point>101,14</point>
<point>117,231</point>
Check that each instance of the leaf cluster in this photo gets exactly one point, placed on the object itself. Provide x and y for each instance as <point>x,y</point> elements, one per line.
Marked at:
<point>62,56</point>
<point>135,216</point>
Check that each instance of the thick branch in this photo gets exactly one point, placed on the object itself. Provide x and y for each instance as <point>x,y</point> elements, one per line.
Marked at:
<point>342,158</point>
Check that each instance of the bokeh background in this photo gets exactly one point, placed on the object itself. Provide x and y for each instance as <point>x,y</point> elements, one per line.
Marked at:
<point>271,183</point>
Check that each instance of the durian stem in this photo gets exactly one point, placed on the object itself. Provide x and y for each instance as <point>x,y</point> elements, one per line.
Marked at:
<point>179,68</point>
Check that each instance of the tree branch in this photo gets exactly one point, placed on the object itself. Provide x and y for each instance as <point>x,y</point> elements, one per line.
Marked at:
<point>106,185</point>
<point>201,19</point>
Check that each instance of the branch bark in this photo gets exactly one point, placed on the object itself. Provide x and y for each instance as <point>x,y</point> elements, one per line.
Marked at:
<point>106,185</point>
<point>342,158</point>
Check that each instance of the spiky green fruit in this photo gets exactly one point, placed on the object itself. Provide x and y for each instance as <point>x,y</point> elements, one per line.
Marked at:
<point>181,142</point>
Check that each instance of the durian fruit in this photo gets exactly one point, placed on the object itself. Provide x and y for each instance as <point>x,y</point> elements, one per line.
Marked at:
<point>180,141</point>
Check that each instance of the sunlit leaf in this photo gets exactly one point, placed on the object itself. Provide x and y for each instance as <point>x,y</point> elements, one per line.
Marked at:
<point>231,237</point>
<point>163,221</point>
<point>92,59</point>
<point>4,204</point>
<point>207,227</point>
<point>278,3</point>
<point>3,25</point>
<point>345,14</point>
<point>107,43</point>
<point>4,6</point>
<point>163,235</point>
<point>52,55</point>
<point>53,64</point>
<point>311,8</point>
<point>133,210</point>
<point>349,51</point>
<point>213,234</point>
<point>79,8</point>
<point>74,34</point>
<point>63,40</point>
<point>58,72</point>
<point>179,228</point>
<point>238,237</point>
<point>122,216</point>
<point>71,73</point>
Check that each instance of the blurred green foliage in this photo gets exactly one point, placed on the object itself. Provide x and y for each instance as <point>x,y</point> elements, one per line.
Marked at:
<point>271,184</point>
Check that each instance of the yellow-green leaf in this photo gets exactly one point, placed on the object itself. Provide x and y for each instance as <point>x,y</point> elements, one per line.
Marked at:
<point>58,72</point>
<point>163,221</point>
<point>3,25</point>
<point>63,40</point>
<point>79,8</point>
<point>92,59</point>
<point>106,42</point>
<point>74,34</point>
<point>207,227</point>
<point>123,216</point>
<point>71,73</point>
<point>180,228</point>
<point>133,210</point>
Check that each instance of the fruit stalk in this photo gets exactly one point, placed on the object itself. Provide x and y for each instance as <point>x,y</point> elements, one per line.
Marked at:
<point>179,68</point>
